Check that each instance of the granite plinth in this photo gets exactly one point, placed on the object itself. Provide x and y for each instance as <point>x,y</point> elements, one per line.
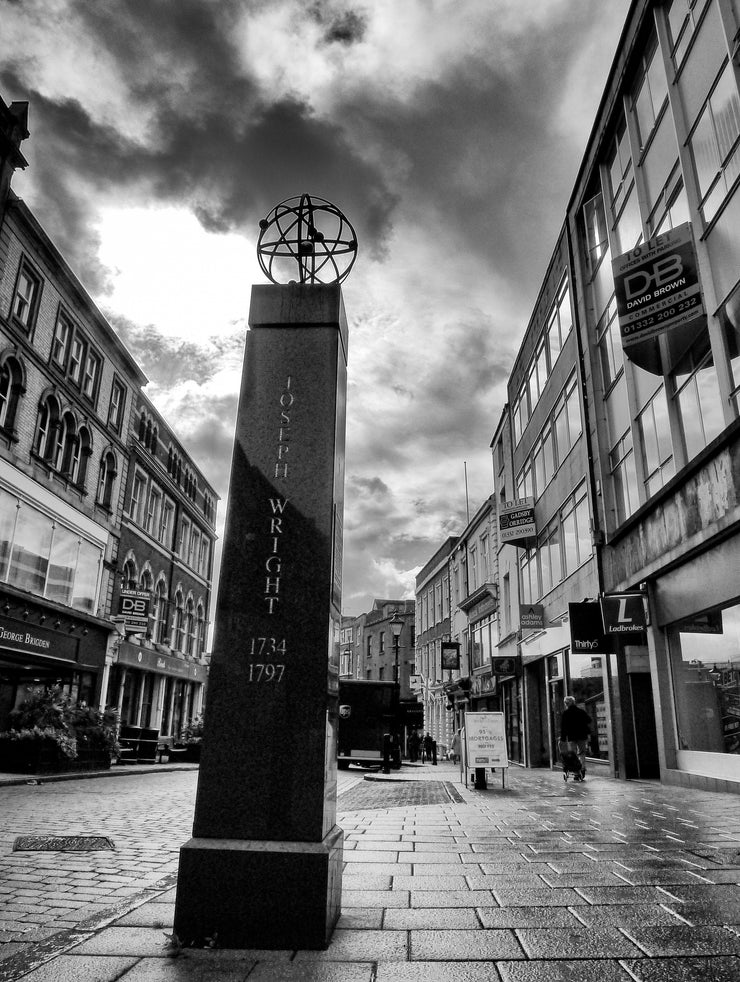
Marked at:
<point>271,895</point>
<point>267,781</point>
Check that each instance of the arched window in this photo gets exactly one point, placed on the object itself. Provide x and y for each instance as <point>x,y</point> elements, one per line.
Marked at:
<point>200,631</point>
<point>159,613</point>
<point>128,575</point>
<point>189,628</point>
<point>155,440</point>
<point>142,426</point>
<point>48,427</point>
<point>148,435</point>
<point>106,478</point>
<point>178,625</point>
<point>11,387</point>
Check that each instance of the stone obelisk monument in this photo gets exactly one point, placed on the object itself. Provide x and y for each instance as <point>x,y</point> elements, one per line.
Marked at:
<point>264,866</point>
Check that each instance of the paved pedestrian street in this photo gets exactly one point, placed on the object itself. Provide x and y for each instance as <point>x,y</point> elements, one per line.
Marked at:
<point>537,881</point>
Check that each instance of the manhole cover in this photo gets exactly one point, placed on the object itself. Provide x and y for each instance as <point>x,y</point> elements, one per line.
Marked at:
<point>61,843</point>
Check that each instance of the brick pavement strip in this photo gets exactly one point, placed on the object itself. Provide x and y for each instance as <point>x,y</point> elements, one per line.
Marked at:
<point>536,882</point>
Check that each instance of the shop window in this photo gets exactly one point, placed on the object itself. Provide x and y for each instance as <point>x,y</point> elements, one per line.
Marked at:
<point>26,297</point>
<point>714,143</point>
<point>587,687</point>
<point>705,661</point>
<point>43,557</point>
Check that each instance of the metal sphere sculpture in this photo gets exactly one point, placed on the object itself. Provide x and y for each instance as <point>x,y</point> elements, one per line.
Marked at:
<point>309,233</point>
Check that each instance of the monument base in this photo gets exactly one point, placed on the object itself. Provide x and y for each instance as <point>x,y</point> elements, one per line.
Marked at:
<point>240,894</point>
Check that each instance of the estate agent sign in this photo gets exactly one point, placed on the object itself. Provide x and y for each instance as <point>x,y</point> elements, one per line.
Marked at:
<point>516,520</point>
<point>657,287</point>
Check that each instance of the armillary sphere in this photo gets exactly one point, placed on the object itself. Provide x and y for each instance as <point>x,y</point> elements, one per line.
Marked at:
<point>308,233</point>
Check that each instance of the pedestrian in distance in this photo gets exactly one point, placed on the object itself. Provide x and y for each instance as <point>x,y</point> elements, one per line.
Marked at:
<point>428,746</point>
<point>456,746</point>
<point>575,727</point>
<point>414,743</point>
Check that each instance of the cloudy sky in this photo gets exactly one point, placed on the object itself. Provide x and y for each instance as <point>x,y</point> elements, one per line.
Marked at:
<point>448,131</point>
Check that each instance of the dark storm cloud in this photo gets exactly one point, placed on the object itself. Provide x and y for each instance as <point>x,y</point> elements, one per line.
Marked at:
<point>212,141</point>
<point>345,27</point>
<point>482,156</point>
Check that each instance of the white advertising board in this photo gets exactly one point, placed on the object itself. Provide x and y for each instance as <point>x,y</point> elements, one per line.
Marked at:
<point>485,740</point>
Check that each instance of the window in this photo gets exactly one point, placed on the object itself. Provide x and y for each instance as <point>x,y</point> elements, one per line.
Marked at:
<point>594,221</point>
<point>138,498</point>
<point>671,208</point>
<point>91,375</point>
<point>159,613</point>
<point>11,387</point>
<point>696,392</point>
<point>76,453</point>
<point>650,94</point>
<point>714,143</point>
<point>115,407</point>
<point>129,577</point>
<point>205,548</point>
<point>610,345</point>
<point>165,529</point>
<point>189,638</point>
<point>200,631</point>
<point>44,557</point>
<point>576,532</point>
<point>184,545</point>
<point>48,426</point>
<point>106,479</point>
<point>153,511</point>
<point>625,211</point>
<point>76,358</point>
<point>63,331</point>
<point>683,16</point>
<point>381,642</point>
<point>624,476</point>
<point>657,448</point>
<point>26,297</point>
<point>178,626</point>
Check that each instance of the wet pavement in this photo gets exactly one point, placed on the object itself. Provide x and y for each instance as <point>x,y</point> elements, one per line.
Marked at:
<point>539,881</point>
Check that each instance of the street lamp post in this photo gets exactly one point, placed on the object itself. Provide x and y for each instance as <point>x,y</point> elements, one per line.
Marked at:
<point>396,628</point>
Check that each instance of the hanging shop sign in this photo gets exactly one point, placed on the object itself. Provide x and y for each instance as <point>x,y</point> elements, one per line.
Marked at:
<point>532,617</point>
<point>658,292</point>
<point>587,635</point>
<point>505,665</point>
<point>623,614</point>
<point>450,655</point>
<point>133,607</point>
<point>516,520</point>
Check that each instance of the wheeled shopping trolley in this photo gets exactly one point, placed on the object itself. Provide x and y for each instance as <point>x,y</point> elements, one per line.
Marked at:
<point>570,760</point>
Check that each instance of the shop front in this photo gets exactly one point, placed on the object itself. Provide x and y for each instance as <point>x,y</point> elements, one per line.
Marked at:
<point>156,690</point>
<point>696,645</point>
<point>42,647</point>
<point>551,670</point>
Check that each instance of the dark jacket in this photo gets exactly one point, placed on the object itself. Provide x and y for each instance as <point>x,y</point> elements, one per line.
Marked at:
<point>575,724</point>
